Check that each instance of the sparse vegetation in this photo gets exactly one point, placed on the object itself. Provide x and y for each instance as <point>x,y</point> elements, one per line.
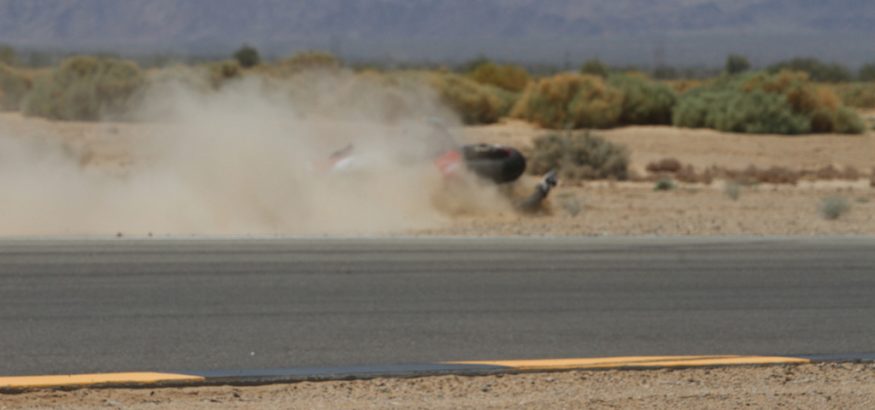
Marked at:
<point>579,156</point>
<point>306,61</point>
<point>755,102</point>
<point>595,67</point>
<point>85,88</point>
<point>817,70</point>
<point>833,207</point>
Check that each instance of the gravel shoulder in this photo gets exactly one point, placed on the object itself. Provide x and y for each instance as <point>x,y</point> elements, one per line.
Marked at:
<point>810,386</point>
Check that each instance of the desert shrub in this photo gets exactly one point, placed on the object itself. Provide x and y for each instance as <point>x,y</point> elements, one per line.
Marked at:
<point>758,113</point>
<point>816,69</point>
<point>507,77</point>
<point>867,72</point>
<point>732,190</point>
<point>14,85</point>
<point>664,165</point>
<point>834,207</point>
<point>664,184</point>
<point>85,88</point>
<point>846,121</point>
<point>247,56</point>
<point>644,101</point>
<point>475,103</point>
<point>666,73</point>
<point>571,101</point>
<point>221,72</point>
<point>194,77</point>
<point>736,64</point>
<point>579,156</point>
<point>682,86</point>
<point>595,67</point>
<point>8,55</point>
<point>305,61</point>
<point>859,95</point>
<point>753,175</point>
<point>571,204</point>
<point>782,103</point>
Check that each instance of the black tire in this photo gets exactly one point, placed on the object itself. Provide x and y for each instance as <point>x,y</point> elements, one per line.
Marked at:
<point>497,163</point>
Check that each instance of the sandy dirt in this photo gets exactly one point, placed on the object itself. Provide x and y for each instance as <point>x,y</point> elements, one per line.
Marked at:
<point>815,386</point>
<point>703,148</point>
<point>601,208</point>
<point>604,208</point>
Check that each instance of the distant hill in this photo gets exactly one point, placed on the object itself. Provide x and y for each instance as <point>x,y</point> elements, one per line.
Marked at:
<point>620,31</point>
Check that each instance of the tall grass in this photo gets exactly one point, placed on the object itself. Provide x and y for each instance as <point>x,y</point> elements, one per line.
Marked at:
<point>579,156</point>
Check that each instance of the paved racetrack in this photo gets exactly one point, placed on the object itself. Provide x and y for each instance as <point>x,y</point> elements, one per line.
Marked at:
<point>78,306</point>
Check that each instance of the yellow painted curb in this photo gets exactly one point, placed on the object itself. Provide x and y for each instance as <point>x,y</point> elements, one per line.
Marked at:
<point>24,382</point>
<point>636,361</point>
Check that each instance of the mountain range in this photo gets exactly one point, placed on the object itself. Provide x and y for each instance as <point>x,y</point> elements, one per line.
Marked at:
<point>619,31</point>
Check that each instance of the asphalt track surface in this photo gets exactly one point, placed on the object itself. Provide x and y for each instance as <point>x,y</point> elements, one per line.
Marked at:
<point>78,306</point>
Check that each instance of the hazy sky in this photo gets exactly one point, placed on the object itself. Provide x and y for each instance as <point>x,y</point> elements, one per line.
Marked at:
<point>644,32</point>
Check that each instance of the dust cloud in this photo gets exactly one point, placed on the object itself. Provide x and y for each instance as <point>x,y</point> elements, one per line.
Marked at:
<point>248,159</point>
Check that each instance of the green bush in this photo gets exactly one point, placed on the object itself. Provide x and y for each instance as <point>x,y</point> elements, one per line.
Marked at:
<point>816,69</point>
<point>305,61</point>
<point>859,95</point>
<point>834,207</point>
<point>14,85</point>
<point>738,111</point>
<point>571,101</point>
<point>644,101</point>
<point>579,156</point>
<point>595,67</point>
<point>867,72</point>
<point>8,55</point>
<point>782,103</point>
<point>475,103</point>
<point>85,88</point>
<point>247,56</point>
<point>736,64</point>
<point>664,184</point>
<point>846,121</point>
<point>507,77</point>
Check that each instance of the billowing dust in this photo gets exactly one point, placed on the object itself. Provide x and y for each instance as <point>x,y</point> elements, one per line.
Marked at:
<point>249,159</point>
